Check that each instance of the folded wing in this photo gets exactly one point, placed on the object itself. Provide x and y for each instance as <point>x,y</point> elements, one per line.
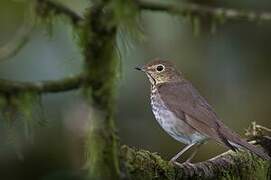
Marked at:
<point>182,97</point>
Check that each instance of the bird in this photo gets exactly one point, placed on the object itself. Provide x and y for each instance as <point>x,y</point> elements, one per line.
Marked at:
<point>186,115</point>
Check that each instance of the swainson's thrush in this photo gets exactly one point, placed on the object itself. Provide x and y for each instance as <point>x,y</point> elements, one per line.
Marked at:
<point>184,114</point>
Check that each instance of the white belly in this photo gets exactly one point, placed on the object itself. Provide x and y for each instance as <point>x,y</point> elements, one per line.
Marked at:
<point>174,126</point>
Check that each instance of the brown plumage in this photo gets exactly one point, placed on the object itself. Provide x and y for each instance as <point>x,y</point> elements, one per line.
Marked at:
<point>185,114</point>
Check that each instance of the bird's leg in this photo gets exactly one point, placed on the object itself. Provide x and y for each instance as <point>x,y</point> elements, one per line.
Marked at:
<point>188,160</point>
<point>194,152</point>
<point>173,160</point>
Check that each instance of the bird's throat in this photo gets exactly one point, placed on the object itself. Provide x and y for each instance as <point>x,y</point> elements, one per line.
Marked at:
<point>151,79</point>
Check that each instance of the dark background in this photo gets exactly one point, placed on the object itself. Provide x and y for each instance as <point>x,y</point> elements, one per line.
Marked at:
<point>230,67</point>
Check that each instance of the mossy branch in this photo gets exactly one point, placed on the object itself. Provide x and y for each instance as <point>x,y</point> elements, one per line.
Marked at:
<point>182,8</point>
<point>141,164</point>
<point>17,41</point>
<point>51,86</point>
<point>46,6</point>
<point>187,9</point>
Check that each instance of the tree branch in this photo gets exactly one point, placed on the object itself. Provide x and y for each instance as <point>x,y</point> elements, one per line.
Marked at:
<point>44,6</point>
<point>52,86</point>
<point>203,10</point>
<point>20,37</point>
<point>141,164</point>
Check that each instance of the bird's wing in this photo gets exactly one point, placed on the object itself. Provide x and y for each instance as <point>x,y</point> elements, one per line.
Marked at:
<point>182,97</point>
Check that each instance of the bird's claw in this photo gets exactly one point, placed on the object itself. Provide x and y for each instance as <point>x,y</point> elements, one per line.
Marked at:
<point>181,164</point>
<point>175,163</point>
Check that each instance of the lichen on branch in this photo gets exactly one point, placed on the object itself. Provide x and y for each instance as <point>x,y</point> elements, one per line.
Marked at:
<point>142,164</point>
<point>46,8</point>
<point>189,8</point>
<point>101,68</point>
<point>50,86</point>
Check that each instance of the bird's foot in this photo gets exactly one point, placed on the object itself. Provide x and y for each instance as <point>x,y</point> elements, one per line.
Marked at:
<point>186,163</point>
<point>175,163</point>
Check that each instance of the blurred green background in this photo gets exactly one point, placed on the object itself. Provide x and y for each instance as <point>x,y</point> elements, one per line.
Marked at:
<point>230,67</point>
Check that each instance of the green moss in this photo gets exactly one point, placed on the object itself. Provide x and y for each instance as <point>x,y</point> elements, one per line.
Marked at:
<point>141,164</point>
<point>126,14</point>
<point>20,106</point>
<point>220,17</point>
<point>145,165</point>
<point>213,27</point>
<point>16,109</point>
<point>27,104</point>
<point>3,102</point>
<point>48,12</point>
<point>196,25</point>
<point>101,68</point>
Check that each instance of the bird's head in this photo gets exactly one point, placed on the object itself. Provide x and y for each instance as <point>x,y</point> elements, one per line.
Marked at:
<point>160,71</point>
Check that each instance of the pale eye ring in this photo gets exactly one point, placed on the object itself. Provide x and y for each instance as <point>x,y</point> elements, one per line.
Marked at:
<point>160,68</point>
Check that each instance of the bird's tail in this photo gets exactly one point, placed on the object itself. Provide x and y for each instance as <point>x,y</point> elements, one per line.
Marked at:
<point>237,142</point>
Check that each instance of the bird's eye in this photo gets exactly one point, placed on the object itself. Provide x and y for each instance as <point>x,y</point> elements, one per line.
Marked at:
<point>160,68</point>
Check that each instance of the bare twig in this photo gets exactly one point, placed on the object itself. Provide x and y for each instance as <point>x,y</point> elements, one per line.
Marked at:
<point>203,10</point>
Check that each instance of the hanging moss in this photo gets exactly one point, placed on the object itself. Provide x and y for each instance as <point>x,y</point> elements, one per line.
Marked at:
<point>9,114</point>
<point>101,67</point>
<point>220,17</point>
<point>46,8</point>
<point>19,109</point>
<point>213,28</point>
<point>98,39</point>
<point>3,102</point>
<point>126,14</point>
<point>20,106</point>
<point>127,18</point>
<point>48,12</point>
<point>11,109</point>
<point>196,23</point>
<point>27,105</point>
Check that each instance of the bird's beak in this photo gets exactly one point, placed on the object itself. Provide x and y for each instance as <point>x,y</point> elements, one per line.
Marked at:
<point>140,68</point>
